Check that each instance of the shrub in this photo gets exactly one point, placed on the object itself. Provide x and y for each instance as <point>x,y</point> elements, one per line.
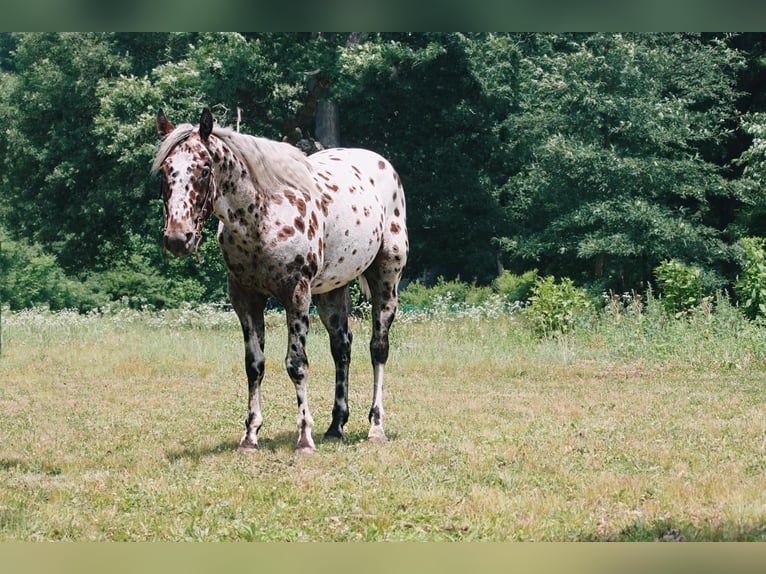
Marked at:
<point>515,287</point>
<point>556,308</point>
<point>681,286</point>
<point>751,285</point>
<point>418,295</point>
<point>29,277</point>
<point>509,287</point>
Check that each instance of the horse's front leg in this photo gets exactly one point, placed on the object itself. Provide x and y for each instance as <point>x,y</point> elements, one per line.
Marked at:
<point>249,308</point>
<point>296,362</point>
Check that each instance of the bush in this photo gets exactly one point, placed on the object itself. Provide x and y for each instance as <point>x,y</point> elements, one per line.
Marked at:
<point>515,287</point>
<point>751,285</point>
<point>30,278</point>
<point>418,295</point>
<point>556,308</point>
<point>681,286</point>
<point>509,287</point>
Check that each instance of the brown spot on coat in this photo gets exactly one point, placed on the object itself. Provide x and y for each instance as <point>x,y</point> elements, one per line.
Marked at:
<point>301,205</point>
<point>394,227</point>
<point>287,231</point>
<point>312,226</point>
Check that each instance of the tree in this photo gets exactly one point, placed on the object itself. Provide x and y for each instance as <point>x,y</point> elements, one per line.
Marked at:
<point>619,137</point>
<point>589,155</point>
<point>415,99</point>
<point>46,109</point>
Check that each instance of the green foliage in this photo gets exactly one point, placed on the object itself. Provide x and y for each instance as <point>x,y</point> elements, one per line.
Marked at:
<point>612,141</point>
<point>680,285</point>
<point>515,287</point>
<point>508,289</point>
<point>418,295</point>
<point>52,190</point>
<point>753,159</point>
<point>416,99</point>
<point>751,285</point>
<point>592,156</point>
<point>32,278</point>
<point>557,308</point>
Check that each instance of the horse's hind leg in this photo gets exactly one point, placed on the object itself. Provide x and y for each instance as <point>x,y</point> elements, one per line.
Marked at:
<point>333,310</point>
<point>383,281</point>
<point>249,307</point>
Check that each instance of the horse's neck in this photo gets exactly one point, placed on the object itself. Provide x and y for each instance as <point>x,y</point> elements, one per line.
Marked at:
<point>236,189</point>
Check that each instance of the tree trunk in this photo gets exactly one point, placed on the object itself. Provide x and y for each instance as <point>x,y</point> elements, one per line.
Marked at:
<point>327,127</point>
<point>327,123</point>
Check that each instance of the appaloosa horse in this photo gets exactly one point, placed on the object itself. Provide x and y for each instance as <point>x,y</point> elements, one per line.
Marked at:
<point>290,227</point>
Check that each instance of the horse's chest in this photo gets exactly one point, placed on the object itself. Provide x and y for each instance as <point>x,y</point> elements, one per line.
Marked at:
<point>267,253</point>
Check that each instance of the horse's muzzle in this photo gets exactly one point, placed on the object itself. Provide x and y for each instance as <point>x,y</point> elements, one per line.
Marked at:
<point>178,243</point>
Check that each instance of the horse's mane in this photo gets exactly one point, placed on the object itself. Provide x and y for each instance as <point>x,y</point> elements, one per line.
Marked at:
<point>272,165</point>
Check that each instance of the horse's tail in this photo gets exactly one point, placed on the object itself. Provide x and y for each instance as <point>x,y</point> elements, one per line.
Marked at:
<point>364,287</point>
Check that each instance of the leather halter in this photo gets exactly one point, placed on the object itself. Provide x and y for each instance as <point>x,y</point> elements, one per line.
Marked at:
<point>205,212</point>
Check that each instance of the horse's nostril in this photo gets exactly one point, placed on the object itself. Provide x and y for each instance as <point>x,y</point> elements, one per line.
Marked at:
<point>178,244</point>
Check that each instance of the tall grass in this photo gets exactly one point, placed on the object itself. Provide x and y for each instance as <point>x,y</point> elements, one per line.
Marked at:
<point>123,425</point>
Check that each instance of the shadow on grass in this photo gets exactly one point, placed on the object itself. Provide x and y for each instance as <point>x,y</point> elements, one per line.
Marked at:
<point>197,452</point>
<point>280,442</point>
<point>38,467</point>
<point>680,531</point>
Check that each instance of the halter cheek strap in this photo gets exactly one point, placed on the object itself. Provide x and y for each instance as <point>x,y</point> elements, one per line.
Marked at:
<point>207,210</point>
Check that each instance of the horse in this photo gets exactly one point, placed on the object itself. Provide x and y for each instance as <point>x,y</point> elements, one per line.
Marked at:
<point>291,227</point>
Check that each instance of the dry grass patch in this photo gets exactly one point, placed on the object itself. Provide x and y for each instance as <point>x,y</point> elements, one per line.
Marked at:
<point>127,430</point>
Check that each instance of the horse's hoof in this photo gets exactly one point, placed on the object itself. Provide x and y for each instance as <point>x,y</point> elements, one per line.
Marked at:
<point>333,436</point>
<point>246,445</point>
<point>377,435</point>
<point>305,450</point>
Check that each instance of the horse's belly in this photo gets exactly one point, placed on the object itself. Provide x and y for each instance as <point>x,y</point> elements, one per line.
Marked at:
<point>352,241</point>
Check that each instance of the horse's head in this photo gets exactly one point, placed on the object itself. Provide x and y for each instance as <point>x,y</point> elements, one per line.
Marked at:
<point>188,187</point>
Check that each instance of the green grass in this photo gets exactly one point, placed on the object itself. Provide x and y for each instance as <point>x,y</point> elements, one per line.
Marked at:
<point>124,426</point>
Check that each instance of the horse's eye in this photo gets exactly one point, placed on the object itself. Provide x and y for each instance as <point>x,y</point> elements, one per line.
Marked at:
<point>205,172</point>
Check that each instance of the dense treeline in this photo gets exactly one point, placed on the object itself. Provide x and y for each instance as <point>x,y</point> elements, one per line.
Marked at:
<point>592,156</point>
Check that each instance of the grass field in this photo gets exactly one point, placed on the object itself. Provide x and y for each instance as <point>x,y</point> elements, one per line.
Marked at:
<point>124,426</point>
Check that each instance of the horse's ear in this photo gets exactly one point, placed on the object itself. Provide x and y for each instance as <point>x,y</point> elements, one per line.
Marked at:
<point>164,127</point>
<point>205,124</point>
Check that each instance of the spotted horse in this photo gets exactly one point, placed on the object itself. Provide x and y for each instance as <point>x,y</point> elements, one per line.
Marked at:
<point>290,227</point>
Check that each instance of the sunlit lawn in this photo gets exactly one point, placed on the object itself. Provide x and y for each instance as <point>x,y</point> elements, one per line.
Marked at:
<point>125,427</point>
